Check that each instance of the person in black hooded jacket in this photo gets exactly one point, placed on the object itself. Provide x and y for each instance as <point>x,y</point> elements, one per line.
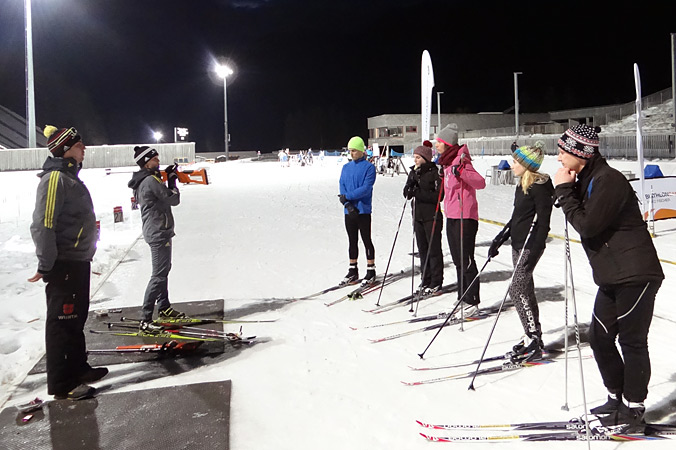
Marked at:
<point>602,207</point>
<point>424,186</point>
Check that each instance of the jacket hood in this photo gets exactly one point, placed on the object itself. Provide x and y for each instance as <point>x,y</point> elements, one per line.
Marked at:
<point>61,164</point>
<point>138,177</point>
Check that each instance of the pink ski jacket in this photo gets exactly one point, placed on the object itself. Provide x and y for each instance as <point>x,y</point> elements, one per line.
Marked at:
<point>464,186</point>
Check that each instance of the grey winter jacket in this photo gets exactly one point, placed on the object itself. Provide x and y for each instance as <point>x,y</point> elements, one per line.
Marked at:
<point>64,223</point>
<point>156,200</point>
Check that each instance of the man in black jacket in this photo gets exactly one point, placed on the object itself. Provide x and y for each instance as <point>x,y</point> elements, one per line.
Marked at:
<point>601,205</point>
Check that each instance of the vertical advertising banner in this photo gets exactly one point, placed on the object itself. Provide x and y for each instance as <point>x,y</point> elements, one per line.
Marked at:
<point>426,85</point>
<point>658,195</point>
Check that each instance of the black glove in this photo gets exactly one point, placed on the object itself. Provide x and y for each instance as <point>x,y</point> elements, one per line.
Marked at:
<point>351,210</point>
<point>170,169</point>
<point>342,199</point>
<point>457,169</point>
<point>498,241</point>
<point>171,180</point>
<point>410,189</point>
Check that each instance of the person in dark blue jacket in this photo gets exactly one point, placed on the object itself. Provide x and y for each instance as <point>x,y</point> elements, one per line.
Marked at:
<point>356,191</point>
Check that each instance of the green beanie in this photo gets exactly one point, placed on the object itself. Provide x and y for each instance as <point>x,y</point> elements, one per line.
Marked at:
<point>356,143</point>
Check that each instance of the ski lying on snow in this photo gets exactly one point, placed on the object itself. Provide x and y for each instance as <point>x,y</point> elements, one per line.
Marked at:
<point>165,348</point>
<point>194,321</point>
<point>598,433</point>
<point>427,328</point>
<point>576,423</point>
<point>439,316</point>
<point>410,299</point>
<point>174,328</point>
<point>506,367</point>
<point>326,291</point>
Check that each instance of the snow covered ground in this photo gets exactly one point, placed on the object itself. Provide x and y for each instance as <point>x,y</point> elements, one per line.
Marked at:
<point>260,233</point>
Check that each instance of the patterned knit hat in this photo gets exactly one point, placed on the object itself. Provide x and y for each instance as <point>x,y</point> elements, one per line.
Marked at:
<point>144,154</point>
<point>60,141</point>
<point>530,157</point>
<point>424,151</point>
<point>581,141</point>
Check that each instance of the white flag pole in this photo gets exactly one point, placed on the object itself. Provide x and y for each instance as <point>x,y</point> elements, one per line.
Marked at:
<point>426,85</point>
<point>639,140</point>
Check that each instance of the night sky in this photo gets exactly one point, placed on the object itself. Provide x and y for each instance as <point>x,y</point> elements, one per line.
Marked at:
<point>309,73</point>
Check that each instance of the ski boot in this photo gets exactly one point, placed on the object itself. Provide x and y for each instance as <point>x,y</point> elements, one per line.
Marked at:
<point>352,276</point>
<point>529,349</point>
<point>171,313</point>
<point>370,275</point>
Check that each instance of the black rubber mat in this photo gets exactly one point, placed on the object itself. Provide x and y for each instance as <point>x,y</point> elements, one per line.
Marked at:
<point>205,308</point>
<point>194,416</point>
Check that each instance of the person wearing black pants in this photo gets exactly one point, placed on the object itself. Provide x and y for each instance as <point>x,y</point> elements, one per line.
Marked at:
<point>64,233</point>
<point>356,194</point>
<point>453,234</point>
<point>423,186</point>
<point>601,205</point>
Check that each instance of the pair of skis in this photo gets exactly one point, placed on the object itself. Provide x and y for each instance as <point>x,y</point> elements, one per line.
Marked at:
<point>409,299</point>
<point>572,430</point>
<point>508,366</point>
<point>171,347</point>
<point>177,332</point>
<point>364,289</point>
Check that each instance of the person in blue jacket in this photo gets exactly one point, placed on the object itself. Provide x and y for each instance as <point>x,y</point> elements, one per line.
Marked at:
<point>356,192</point>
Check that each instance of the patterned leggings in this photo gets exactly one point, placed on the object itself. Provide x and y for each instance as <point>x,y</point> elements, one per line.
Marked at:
<point>522,293</point>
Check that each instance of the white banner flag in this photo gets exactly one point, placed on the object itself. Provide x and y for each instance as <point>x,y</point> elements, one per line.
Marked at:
<point>639,140</point>
<point>660,197</point>
<point>426,85</point>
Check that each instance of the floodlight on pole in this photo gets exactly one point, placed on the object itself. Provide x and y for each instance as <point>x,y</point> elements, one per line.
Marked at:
<point>223,71</point>
<point>516,102</point>
<point>157,135</point>
<point>30,86</point>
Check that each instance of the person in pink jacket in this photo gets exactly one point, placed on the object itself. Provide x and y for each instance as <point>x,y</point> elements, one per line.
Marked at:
<point>461,182</point>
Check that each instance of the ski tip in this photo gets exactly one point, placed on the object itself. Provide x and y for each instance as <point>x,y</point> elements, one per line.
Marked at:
<point>354,328</point>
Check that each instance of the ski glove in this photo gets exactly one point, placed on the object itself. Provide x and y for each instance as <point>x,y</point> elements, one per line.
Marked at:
<point>457,169</point>
<point>171,180</point>
<point>498,241</point>
<point>342,199</point>
<point>410,189</point>
<point>351,210</point>
<point>170,169</point>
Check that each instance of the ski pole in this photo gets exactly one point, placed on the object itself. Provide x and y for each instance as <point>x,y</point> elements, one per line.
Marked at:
<point>391,252</point>
<point>461,280</point>
<point>413,248</point>
<point>577,334</point>
<point>502,303</point>
<point>565,328</point>
<point>429,250</point>
<point>450,315</point>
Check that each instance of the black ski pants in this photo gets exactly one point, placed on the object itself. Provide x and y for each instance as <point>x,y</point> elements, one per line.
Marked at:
<point>427,239</point>
<point>468,233</point>
<point>157,290</point>
<point>624,312</point>
<point>67,307</point>
<point>355,225</point>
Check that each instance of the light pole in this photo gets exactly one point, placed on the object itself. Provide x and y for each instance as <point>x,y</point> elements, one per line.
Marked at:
<point>223,72</point>
<point>30,88</point>
<point>438,111</point>
<point>516,102</point>
<point>157,136</point>
<point>673,77</point>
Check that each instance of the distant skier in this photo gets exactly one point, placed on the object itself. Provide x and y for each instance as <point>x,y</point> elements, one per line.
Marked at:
<point>424,187</point>
<point>534,195</point>
<point>156,201</point>
<point>601,205</point>
<point>356,190</point>
<point>64,233</point>
<point>461,182</point>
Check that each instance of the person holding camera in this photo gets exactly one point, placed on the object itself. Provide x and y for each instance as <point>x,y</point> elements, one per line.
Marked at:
<point>156,200</point>
<point>423,187</point>
<point>356,191</point>
<point>64,233</point>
